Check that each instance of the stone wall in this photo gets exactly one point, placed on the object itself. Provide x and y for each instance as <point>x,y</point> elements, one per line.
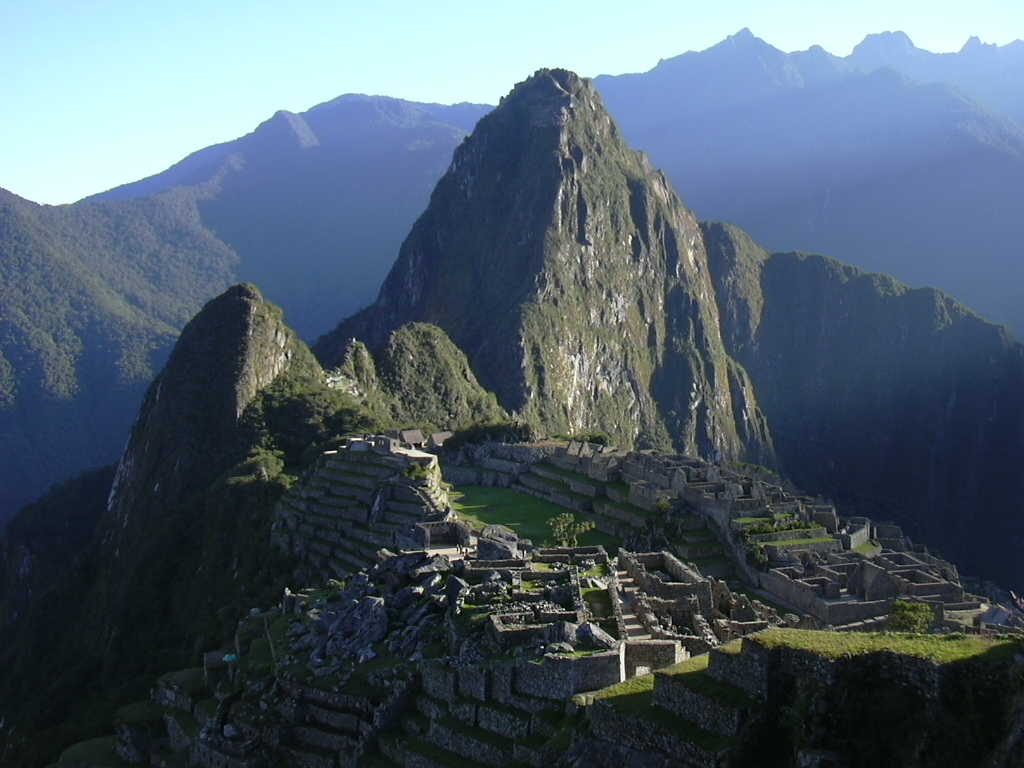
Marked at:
<point>636,732</point>
<point>561,677</point>
<point>804,597</point>
<point>652,654</point>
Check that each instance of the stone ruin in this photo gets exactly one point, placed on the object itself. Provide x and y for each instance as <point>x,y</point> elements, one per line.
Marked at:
<point>369,494</point>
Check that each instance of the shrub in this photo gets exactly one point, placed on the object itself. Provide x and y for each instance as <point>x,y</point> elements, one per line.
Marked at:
<point>910,617</point>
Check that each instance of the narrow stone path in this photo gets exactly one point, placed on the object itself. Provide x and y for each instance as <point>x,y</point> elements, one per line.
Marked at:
<point>627,589</point>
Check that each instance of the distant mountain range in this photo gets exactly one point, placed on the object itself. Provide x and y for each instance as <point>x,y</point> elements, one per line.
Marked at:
<point>808,151</point>
<point>92,295</point>
<point>805,151</point>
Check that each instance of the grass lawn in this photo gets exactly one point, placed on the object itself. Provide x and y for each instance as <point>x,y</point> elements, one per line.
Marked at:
<point>779,607</point>
<point>868,547</point>
<point>941,649</point>
<point>526,515</point>
<point>101,751</point>
<point>634,697</point>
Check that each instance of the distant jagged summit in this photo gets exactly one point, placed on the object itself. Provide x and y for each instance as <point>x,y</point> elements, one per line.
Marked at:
<point>571,275</point>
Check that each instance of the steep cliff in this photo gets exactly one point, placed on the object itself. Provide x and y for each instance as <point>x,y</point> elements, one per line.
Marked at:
<point>183,544</point>
<point>900,401</point>
<point>574,280</point>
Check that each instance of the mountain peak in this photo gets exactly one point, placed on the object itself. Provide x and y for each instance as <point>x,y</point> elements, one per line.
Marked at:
<point>574,263</point>
<point>884,47</point>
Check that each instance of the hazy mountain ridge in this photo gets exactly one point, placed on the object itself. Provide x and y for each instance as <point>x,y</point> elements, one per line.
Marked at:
<point>313,206</point>
<point>991,73</point>
<point>804,150</point>
<point>91,297</point>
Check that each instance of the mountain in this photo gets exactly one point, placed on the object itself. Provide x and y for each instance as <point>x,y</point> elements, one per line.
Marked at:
<point>901,403</point>
<point>598,303</point>
<point>989,72</point>
<point>569,273</point>
<point>92,295</point>
<point>316,203</point>
<point>182,545</point>
<point>804,151</point>
<point>420,378</point>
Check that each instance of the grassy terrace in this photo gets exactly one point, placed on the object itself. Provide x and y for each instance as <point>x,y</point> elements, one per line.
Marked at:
<point>693,673</point>
<point>526,515</point>
<point>627,507</point>
<point>799,542</point>
<point>101,751</point>
<point>568,474</point>
<point>868,547</point>
<point>941,649</point>
<point>634,697</point>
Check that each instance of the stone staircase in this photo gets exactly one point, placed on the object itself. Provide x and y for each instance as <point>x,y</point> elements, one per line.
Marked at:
<point>635,630</point>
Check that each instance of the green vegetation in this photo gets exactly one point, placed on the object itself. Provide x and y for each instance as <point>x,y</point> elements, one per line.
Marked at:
<point>801,542</point>
<point>499,431</point>
<point>942,649</point>
<point>566,531</point>
<point>868,547</point>
<point>599,602</point>
<point>910,617</point>
<point>526,515</point>
<point>428,381</point>
<point>634,697</point>
<point>99,751</point>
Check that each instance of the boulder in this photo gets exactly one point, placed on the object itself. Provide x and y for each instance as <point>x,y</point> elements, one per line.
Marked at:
<point>592,635</point>
<point>362,626</point>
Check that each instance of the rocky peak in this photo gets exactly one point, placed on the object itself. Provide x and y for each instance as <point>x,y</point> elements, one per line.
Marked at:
<point>571,275</point>
<point>191,425</point>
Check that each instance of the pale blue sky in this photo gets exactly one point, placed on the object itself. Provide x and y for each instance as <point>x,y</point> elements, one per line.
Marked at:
<point>96,93</point>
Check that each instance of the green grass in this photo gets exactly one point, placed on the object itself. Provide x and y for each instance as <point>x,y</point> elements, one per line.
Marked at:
<point>868,547</point>
<point>526,515</point>
<point>779,608</point>
<point>941,649</point>
<point>599,601</point>
<point>632,687</point>
<point>99,751</point>
<point>799,542</point>
<point>693,673</point>
<point>635,697</point>
<point>627,507</point>
<point>599,571</point>
<point>570,475</point>
<point>710,561</point>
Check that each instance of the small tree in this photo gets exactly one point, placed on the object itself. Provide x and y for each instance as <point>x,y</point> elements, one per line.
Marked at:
<point>910,617</point>
<point>567,531</point>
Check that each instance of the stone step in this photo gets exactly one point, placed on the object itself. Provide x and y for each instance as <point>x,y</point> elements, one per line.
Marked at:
<point>416,753</point>
<point>307,756</point>
<point>710,704</point>
<point>322,738</point>
<point>472,743</point>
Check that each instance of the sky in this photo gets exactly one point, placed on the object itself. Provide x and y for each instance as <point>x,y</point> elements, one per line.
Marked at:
<point>97,93</point>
